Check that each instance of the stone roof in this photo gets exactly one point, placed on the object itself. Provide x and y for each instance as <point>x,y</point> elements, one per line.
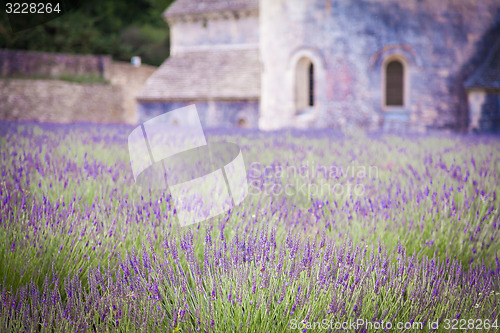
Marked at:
<point>488,74</point>
<point>183,7</point>
<point>221,74</point>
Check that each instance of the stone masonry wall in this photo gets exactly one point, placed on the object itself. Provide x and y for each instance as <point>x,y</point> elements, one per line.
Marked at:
<point>61,101</point>
<point>215,114</point>
<point>131,79</point>
<point>218,30</point>
<point>441,42</point>
<point>24,63</point>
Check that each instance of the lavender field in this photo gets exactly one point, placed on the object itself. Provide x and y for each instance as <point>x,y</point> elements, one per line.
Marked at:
<point>375,233</point>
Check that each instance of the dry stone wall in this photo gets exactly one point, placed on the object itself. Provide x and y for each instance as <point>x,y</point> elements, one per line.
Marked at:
<point>24,63</point>
<point>52,100</point>
<point>60,102</point>
<point>442,43</point>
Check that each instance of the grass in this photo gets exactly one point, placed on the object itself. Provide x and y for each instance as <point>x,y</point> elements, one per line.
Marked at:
<point>82,79</point>
<point>83,249</point>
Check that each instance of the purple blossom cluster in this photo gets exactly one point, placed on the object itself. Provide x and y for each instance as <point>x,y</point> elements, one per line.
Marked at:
<point>84,250</point>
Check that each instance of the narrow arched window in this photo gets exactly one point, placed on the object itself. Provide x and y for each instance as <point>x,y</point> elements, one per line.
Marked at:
<point>304,84</point>
<point>394,83</point>
<point>311,84</point>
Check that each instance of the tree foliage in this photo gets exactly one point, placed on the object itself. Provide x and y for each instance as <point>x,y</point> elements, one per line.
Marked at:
<point>119,28</point>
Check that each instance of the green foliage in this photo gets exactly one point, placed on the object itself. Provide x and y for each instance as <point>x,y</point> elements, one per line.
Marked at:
<point>419,245</point>
<point>83,79</point>
<point>69,78</point>
<point>120,28</point>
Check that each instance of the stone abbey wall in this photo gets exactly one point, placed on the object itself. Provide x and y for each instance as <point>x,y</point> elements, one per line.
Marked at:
<point>215,114</point>
<point>349,42</point>
<point>214,64</point>
<point>216,30</point>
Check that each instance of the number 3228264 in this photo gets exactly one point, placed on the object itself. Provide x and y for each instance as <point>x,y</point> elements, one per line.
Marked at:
<point>471,324</point>
<point>32,8</point>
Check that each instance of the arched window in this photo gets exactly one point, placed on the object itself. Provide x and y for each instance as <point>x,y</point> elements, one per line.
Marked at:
<point>304,84</point>
<point>242,122</point>
<point>394,83</point>
<point>311,84</point>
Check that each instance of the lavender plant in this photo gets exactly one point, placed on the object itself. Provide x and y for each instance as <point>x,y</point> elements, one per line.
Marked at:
<point>413,237</point>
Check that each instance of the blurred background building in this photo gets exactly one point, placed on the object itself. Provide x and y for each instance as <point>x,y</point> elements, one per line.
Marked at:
<point>406,65</point>
<point>413,65</point>
<point>77,66</point>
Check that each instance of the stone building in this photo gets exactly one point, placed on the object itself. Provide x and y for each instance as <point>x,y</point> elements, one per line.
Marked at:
<point>378,64</point>
<point>214,63</point>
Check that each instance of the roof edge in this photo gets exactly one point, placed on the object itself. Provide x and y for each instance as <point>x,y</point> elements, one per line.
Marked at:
<point>469,83</point>
<point>199,99</point>
<point>181,8</point>
<point>207,14</point>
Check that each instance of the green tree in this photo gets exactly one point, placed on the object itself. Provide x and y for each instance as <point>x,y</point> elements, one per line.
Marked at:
<point>119,28</point>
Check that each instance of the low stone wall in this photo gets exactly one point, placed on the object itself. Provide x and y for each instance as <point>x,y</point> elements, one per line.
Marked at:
<point>60,101</point>
<point>131,79</point>
<point>213,114</point>
<point>23,63</point>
